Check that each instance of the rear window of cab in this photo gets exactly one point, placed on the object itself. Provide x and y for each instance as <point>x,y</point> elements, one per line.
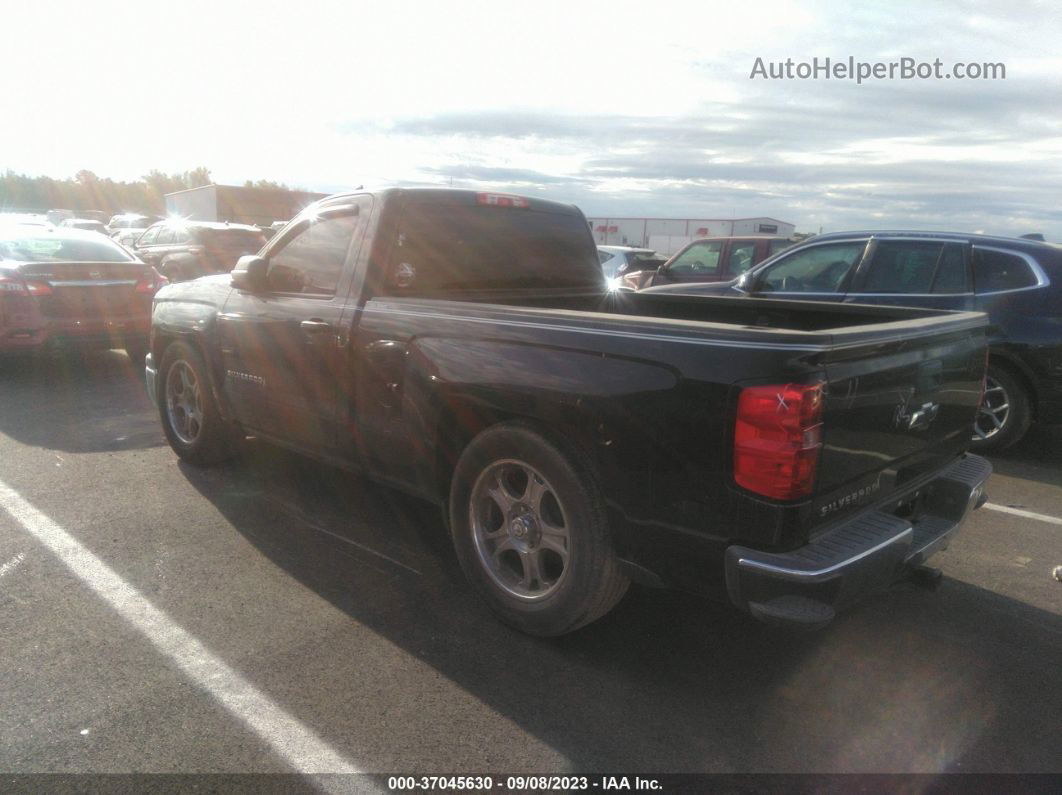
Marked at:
<point>456,247</point>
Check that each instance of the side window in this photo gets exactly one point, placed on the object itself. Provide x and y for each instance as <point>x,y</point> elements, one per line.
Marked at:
<point>819,269</point>
<point>604,256</point>
<point>700,259</point>
<point>740,259</point>
<point>311,262</point>
<point>996,270</point>
<point>901,266</point>
<point>182,237</point>
<point>778,245</point>
<point>166,235</point>
<point>951,272</point>
<point>150,236</point>
<point>610,265</point>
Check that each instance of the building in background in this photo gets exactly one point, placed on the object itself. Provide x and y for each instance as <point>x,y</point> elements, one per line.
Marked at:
<point>241,205</point>
<point>668,235</point>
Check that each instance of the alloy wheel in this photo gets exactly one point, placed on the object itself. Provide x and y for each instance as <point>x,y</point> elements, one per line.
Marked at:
<point>184,403</point>
<point>520,530</point>
<point>994,412</point>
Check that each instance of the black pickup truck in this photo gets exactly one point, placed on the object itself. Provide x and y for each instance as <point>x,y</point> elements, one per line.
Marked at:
<point>787,456</point>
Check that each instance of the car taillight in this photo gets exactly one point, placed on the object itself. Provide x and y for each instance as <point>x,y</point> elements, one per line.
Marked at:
<point>501,200</point>
<point>151,283</point>
<point>38,288</point>
<point>11,286</point>
<point>777,439</point>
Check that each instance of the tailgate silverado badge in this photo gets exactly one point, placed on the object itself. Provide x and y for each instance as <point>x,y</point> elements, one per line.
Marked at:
<point>854,498</point>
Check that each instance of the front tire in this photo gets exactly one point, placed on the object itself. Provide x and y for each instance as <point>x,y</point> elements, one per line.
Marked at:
<point>190,418</point>
<point>528,524</point>
<point>1005,413</point>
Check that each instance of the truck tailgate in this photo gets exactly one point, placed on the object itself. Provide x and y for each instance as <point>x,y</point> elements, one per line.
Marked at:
<point>897,409</point>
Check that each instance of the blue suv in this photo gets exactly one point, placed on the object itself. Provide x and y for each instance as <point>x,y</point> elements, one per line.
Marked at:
<point>1017,282</point>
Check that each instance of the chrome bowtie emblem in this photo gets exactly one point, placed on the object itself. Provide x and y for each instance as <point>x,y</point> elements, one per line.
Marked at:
<point>919,417</point>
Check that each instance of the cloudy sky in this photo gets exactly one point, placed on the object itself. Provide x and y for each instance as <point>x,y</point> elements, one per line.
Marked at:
<point>641,108</point>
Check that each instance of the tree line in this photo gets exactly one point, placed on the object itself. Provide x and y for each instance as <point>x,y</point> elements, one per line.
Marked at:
<point>86,191</point>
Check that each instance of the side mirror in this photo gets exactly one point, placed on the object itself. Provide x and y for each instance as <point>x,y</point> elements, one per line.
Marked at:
<point>250,274</point>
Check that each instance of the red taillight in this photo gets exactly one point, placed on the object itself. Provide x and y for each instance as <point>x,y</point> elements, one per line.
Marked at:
<point>777,439</point>
<point>38,288</point>
<point>151,283</point>
<point>501,200</point>
<point>12,286</point>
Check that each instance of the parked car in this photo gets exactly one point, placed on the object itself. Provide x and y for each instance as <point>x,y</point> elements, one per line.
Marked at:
<point>131,221</point>
<point>25,219</point>
<point>85,223</point>
<point>183,250</point>
<point>789,457</point>
<point>127,238</point>
<point>710,259</point>
<point>618,260</point>
<point>58,216</point>
<point>64,287</point>
<point>1017,282</point>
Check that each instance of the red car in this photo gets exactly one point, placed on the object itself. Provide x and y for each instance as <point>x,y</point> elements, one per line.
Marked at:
<point>62,287</point>
<point>710,259</point>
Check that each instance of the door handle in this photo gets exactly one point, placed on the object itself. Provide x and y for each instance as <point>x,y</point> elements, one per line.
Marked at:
<point>315,326</point>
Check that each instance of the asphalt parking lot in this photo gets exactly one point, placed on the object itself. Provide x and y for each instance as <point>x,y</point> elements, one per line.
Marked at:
<point>278,615</point>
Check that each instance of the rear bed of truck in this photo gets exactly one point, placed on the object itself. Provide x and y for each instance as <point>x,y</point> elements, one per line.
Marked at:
<point>887,477</point>
<point>892,482</point>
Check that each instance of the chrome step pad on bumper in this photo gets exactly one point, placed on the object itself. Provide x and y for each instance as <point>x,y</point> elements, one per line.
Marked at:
<point>805,586</point>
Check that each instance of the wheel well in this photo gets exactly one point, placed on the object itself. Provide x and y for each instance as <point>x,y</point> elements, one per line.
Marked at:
<point>1016,372</point>
<point>458,426</point>
<point>164,341</point>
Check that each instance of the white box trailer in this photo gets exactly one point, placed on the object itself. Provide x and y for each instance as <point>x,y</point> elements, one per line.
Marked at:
<point>668,235</point>
<point>239,204</point>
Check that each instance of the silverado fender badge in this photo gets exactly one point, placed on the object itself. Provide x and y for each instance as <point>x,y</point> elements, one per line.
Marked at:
<point>236,375</point>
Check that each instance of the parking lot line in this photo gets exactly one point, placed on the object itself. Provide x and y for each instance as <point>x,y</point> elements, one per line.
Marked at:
<point>298,745</point>
<point>1042,517</point>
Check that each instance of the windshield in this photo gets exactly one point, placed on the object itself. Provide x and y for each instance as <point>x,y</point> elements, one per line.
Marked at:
<point>461,247</point>
<point>37,245</point>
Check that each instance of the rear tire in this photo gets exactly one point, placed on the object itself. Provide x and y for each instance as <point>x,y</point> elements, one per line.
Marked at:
<point>1005,415</point>
<point>190,418</point>
<point>528,524</point>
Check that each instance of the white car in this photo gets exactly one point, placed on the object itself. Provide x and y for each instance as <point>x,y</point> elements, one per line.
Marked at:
<point>126,237</point>
<point>618,260</point>
<point>88,224</point>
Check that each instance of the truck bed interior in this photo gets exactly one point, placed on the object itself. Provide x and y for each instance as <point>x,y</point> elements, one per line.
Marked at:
<point>747,312</point>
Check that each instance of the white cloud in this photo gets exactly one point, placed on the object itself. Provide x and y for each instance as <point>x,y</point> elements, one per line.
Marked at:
<point>616,105</point>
